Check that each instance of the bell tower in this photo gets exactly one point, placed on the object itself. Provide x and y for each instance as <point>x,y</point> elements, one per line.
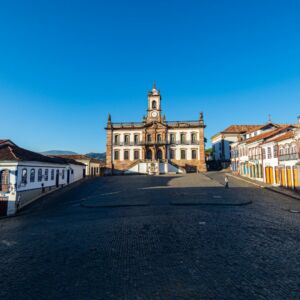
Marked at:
<point>154,105</point>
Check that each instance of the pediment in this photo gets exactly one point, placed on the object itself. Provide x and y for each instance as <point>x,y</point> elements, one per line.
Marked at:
<point>155,125</point>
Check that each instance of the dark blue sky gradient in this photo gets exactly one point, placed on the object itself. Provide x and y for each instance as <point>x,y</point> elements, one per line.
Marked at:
<point>65,64</point>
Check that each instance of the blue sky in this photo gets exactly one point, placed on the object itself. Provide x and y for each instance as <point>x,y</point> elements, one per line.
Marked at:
<point>64,65</point>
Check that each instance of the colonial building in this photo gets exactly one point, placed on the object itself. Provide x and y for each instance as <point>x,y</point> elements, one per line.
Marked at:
<point>270,154</point>
<point>26,175</point>
<point>93,167</point>
<point>155,145</point>
<point>221,142</point>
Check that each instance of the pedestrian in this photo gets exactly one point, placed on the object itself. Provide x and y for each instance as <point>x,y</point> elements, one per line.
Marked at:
<point>226,182</point>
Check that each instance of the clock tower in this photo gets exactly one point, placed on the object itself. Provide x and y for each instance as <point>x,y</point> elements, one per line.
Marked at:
<point>154,105</point>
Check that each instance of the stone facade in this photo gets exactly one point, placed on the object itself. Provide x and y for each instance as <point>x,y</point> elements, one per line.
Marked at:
<point>180,143</point>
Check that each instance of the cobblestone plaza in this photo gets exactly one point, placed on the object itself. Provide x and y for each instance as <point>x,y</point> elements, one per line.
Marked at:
<point>154,237</point>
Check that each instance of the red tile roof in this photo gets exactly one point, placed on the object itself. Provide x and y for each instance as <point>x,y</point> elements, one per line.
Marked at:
<point>266,135</point>
<point>11,152</point>
<point>240,128</point>
<point>282,137</point>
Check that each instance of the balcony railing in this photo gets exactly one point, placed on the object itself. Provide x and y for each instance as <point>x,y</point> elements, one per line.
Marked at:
<point>163,142</point>
<point>292,156</point>
<point>255,157</point>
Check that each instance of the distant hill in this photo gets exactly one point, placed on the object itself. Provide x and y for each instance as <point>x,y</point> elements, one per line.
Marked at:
<point>101,156</point>
<point>58,152</point>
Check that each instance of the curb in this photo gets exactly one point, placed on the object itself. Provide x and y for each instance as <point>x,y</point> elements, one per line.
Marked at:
<point>266,187</point>
<point>23,210</point>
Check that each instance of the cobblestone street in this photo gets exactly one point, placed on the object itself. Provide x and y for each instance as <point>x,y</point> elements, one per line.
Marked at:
<point>154,237</point>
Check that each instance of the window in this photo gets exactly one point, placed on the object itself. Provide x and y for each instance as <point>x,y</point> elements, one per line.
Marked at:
<point>24,176</point>
<point>117,139</point>
<point>136,154</point>
<point>264,153</point>
<point>32,175</point>
<point>4,181</point>
<point>153,104</point>
<point>269,152</point>
<point>136,139</point>
<point>293,149</point>
<point>116,155</point>
<point>148,137</point>
<point>281,151</point>
<point>126,139</point>
<point>40,174</point>
<point>194,138</point>
<point>52,174</point>
<point>275,151</point>
<point>194,154</point>
<point>172,138</point>
<point>172,154</point>
<point>63,174</point>
<point>159,137</point>
<point>182,154</point>
<point>46,174</point>
<point>126,155</point>
<point>182,138</point>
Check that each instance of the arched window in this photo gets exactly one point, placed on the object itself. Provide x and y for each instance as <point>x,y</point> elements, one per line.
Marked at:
<point>281,151</point>
<point>154,105</point>
<point>126,139</point>
<point>182,154</point>
<point>136,139</point>
<point>194,154</point>
<point>46,174</point>
<point>182,138</point>
<point>293,149</point>
<point>126,155</point>
<point>116,155</point>
<point>172,154</point>
<point>52,174</point>
<point>24,176</point>
<point>32,175</point>
<point>136,154</point>
<point>4,181</point>
<point>194,138</point>
<point>117,139</point>
<point>287,149</point>
<point>40,175</point>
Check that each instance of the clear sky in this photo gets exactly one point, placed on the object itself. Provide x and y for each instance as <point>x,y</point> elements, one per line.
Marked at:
<point>64,65</point>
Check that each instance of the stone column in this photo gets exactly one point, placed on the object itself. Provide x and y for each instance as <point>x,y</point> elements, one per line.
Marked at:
<point>201,163</point>
<point>109,147</point>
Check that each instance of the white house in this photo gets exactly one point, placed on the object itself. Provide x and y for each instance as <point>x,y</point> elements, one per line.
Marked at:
<point>26,175</point>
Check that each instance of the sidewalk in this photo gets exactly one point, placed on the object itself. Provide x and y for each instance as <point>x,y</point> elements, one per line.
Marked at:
<point>277,189</point>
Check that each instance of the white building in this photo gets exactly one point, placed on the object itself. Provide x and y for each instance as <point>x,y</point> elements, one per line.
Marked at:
<point>26,175</point>
<point>221,142</point>
<point>155,145</point>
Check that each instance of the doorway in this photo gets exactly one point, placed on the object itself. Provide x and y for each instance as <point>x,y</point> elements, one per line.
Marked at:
<point>159,154</point>
<point>149,154</point>
<point>57,178</point>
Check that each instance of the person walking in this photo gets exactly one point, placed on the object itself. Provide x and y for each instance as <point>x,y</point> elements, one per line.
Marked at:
<point>226,182</point>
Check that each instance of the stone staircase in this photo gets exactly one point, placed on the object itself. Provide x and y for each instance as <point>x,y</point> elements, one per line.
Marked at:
<point>154,167</point>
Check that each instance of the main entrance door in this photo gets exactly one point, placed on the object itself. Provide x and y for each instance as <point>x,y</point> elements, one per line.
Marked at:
<point>159,154</point>
<point>149,154</point>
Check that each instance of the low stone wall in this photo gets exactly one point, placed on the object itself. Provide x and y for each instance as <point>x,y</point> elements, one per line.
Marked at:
<point>26,197</point>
